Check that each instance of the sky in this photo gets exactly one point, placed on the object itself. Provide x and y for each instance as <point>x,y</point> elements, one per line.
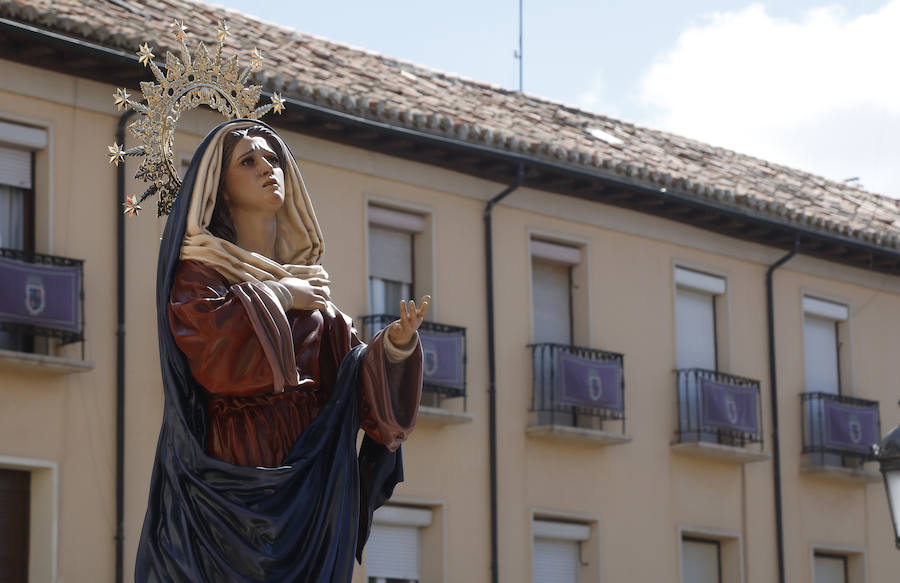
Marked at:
<point>813,84</point>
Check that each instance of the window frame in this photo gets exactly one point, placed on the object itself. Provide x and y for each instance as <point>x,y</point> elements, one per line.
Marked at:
<point>580,304</point>
<point>702,279</point>
<point>422,245</point>
<point>589,550</point>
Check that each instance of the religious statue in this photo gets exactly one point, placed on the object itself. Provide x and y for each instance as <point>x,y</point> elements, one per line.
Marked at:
<point>257,475</point>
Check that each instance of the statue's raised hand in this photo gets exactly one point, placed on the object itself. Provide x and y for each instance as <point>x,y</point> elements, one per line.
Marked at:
<point>401,331</point>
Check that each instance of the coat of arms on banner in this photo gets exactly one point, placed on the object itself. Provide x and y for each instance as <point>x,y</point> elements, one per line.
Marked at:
<point>731,409</point>
<point>35,296</point>
<point>430,360</point>
<point>855,427</point>
<point>595,385</point>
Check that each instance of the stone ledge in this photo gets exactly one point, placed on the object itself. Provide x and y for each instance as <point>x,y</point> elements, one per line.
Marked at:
<point>576,434</point>
<point>842,474</point>
<point>717,451</point>
<point>438,416</point>
<point>42,363</point>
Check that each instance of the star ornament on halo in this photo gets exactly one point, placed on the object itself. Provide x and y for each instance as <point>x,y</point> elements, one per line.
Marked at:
<point>121,97</point>
<point>178,29</point>
<point>256,59</point>
<point>116,153</point>
<point>277,103</point>
<point>145,54</point>
<point>222,32</point>
<point>132,208</point>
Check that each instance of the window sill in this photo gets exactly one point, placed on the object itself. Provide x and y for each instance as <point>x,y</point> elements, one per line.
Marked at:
<point>843,474</point>
<point>716,451</point>
<point>576,434</point>
<point>438,416</point>
<point>42,363</point>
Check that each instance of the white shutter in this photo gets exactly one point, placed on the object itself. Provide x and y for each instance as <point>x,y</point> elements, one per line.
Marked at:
<point>15,167</point>
<point>699,562</point>
<point>550,302</point>
<point>390,254</point>
<point>555,252</point>
<point>830,569</point>
<point>820,354</point>
<point>393,552</point>
<point>697,281</point>
<point>396,220</point>
<point>695,333</point>
<point>825,309</point>
<point>555,561</point>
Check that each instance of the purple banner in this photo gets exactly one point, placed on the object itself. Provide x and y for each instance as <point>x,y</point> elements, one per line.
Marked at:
<point>583,382</point>
<point>443,359</point>
<point>40,295</point>
<point>726,406</point>
<point>850,427</point>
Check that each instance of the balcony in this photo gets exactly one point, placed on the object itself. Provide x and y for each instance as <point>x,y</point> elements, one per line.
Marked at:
<point>579,394</point>
<point>444,368</point>
<point>838,434</point>
<point>41,308</point>
<point>719,416</point>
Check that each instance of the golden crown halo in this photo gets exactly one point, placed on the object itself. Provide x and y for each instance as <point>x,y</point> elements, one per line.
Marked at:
<point>193,80</point>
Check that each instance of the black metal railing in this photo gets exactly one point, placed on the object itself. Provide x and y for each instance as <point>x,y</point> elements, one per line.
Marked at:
<point>570,390</point>
<point>444,348</point>
<point>836,427</point>
<point>720,408</point>
<point>21,327</point>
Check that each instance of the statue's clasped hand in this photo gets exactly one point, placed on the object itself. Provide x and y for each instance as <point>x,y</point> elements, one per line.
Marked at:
<point>308,294</point>
<point>411,317</point>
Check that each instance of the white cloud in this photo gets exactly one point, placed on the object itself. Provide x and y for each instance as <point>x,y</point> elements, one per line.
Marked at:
<point>821,93</point>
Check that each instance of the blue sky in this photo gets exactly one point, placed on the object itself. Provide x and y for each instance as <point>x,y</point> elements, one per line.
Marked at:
<point>812,84</point>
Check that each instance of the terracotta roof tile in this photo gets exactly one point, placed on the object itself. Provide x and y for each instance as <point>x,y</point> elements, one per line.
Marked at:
<point>317,70</point>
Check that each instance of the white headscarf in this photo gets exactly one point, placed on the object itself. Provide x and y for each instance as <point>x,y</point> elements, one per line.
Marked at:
<point>299,240</point>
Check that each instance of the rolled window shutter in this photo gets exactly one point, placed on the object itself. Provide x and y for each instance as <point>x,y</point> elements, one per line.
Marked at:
<point>555,561</point>
<point>396,220</point>
<point>393,552</point>
<point>15,167</point>
<point>390,254</point>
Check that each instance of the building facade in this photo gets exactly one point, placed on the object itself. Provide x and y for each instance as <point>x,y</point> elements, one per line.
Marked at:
<point>608,418</point>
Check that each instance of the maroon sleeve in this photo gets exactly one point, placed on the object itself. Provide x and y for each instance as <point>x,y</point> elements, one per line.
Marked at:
<point>389,394</point>
<point>236,337</point>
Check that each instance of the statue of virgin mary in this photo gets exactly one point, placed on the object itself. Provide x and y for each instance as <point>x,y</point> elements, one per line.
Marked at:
<point>257,475</point>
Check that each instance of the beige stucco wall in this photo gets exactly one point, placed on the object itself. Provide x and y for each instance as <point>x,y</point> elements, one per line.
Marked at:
<point>638,496</point>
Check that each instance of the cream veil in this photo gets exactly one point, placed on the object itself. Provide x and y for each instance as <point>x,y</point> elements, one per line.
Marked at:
<point>299,243</point>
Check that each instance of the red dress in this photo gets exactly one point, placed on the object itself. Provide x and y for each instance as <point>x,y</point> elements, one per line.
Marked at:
<point>268,373</point>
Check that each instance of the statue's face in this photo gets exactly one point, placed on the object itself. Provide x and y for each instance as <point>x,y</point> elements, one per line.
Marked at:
<point>254,179</point>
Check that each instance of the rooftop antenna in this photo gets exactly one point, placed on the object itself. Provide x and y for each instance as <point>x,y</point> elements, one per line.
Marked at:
<point>518,54</point>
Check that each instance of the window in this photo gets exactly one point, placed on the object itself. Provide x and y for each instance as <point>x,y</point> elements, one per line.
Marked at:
<point>552,271</point>
<point>698,319</point>
<point>557,551</point>
<point>393,241</point>
<point>15,489</point>
<point>701,561</point>
<point>18,144</point>
<point>394,549</point>
<point>823,328</point>
<point>830,568</point>
<point>821,344</point>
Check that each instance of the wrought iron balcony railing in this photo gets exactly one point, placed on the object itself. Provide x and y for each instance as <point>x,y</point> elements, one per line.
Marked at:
<point>835,426</point>
<point>444,353</point>
<point>718,408</point>
<point>577,386</point>
<point>41,295</point>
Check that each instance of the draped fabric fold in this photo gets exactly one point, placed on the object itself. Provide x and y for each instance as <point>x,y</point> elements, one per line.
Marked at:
<point>210,520</point>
